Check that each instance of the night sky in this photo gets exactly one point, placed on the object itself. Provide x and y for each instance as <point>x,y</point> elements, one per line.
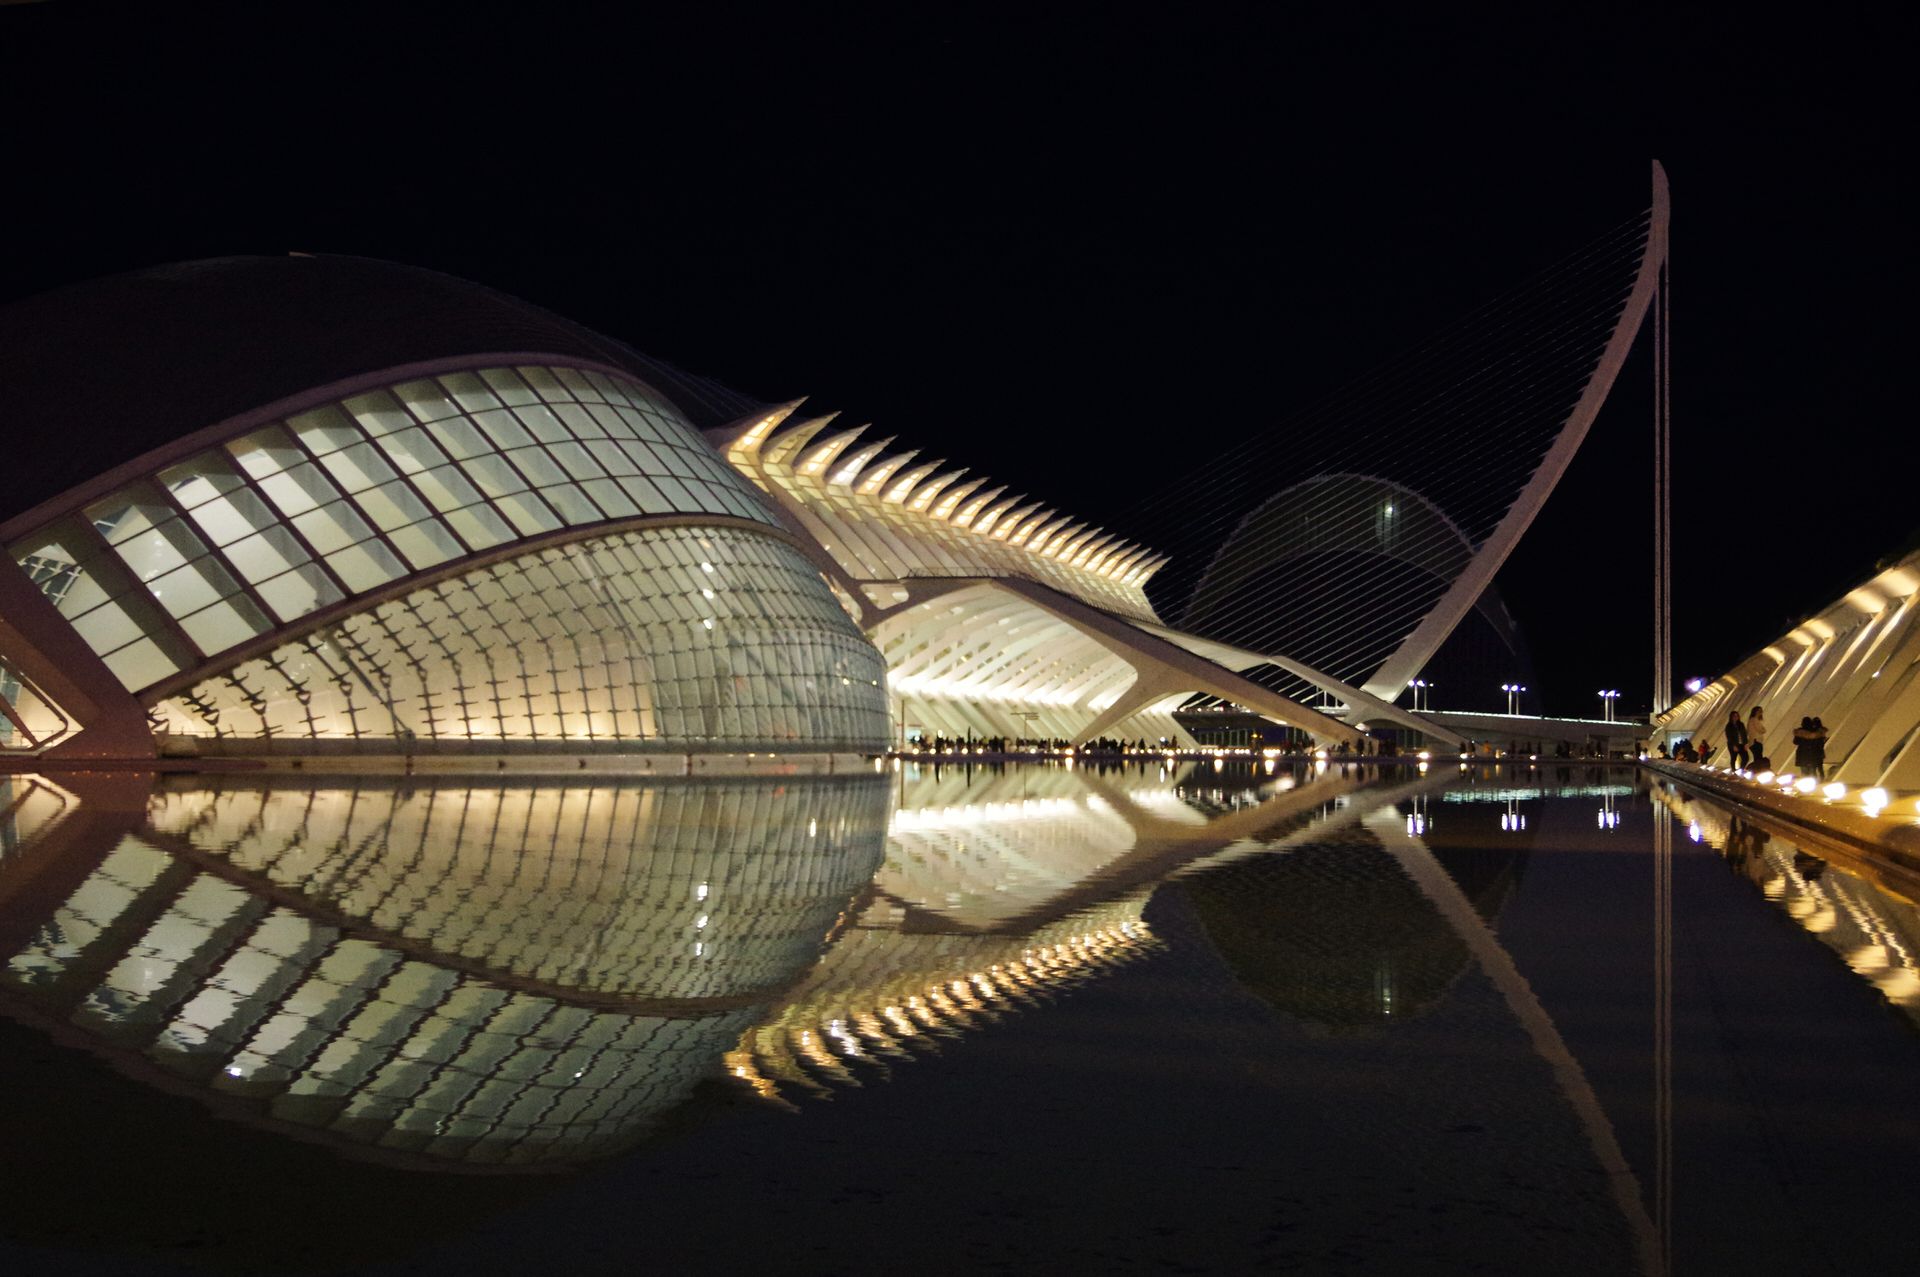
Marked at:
<point>1084,255</point>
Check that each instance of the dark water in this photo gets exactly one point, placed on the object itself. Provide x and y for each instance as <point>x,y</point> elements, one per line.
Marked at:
<point>1032,1020</point>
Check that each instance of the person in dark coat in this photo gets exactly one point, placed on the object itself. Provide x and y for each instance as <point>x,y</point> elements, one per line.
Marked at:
<point>1809,748</point>
<point>1736,740</point>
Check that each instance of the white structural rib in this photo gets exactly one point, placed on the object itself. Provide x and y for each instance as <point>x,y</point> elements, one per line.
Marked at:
<point>1391,678</point>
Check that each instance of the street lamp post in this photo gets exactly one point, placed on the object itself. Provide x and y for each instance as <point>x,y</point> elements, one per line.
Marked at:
<point>1606,701</point>
<point>1513,691</point>
<point>1421,702</point>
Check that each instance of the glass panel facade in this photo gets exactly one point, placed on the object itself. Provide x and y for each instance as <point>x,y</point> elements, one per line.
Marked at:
<point>355,495</point>
<point>708,638</point>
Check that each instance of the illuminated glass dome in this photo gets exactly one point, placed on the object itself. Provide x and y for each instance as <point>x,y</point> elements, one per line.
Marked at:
<point>329,505</point>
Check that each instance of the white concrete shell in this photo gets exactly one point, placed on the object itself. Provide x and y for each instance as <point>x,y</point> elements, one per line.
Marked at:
<point>998,616</point>
<point>1855,666</point>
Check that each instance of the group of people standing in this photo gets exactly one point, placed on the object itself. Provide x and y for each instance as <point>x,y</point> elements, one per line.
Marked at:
<point>1746,744</point>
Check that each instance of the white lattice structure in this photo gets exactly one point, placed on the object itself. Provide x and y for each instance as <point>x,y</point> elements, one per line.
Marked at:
<point>997,615</point>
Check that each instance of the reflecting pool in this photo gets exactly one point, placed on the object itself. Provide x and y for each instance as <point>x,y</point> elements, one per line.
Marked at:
<point>1220,1018</point>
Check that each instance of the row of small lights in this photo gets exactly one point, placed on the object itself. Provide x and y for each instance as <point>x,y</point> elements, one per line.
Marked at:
<point>1875,800</point>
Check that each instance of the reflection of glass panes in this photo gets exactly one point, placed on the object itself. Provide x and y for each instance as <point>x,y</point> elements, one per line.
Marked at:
<point>299,592</point>
<point>425,544</point>
<point>572,504</point>
<point>527,513</point>
<point>337,526</point>
<point>366,566</point>
<point>128,514</point>
<point>392,506</point>
<point>460,439</point>
<point>140,663</point>
<point>650,498</point>
<point>325,429</point>
<point>266,554</point>
<point>379,413</point>
<point>578,421</point>
<point>469,391</point>
<point>199,479</point>
<point>508,386</point>
<point>537,466</point>
<point>426,400</point>
<point>503,428</point>
<point>358,467</point>
<point>299,489</point>
<point>159,551</point>
<point>446,488</point>
<point>494,476</point>
<point>545,384</point>
<point>609,496</point>
<point>480,527</point>
<point>576,460</point>
<point>228,518</point>
<point>193,587</point>
<point>413,450</point>
<point>610,455</point>
<point>106,627</point>
<point>266,452</point>
<point>543,425</point>
<point>224,624</point>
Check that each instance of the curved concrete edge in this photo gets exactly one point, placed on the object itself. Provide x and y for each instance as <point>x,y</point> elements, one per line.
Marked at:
<point>1891,840</point>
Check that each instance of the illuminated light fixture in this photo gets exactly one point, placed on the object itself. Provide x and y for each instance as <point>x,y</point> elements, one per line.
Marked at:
<point>1834,792</point>
<point>1424,755</point>
<point>1873,800</point>
<point>1695,684</point>
<point>1765,778</point>
<point>1806,784</point>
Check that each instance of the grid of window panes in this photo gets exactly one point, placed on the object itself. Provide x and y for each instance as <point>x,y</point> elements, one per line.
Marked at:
<point>357,494</point>
<point>684,637</point>
<point>688,889</point>
<point>274,1011</point>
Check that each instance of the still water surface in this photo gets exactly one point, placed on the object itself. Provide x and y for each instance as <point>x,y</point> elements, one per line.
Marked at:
<point>1021,1020</point>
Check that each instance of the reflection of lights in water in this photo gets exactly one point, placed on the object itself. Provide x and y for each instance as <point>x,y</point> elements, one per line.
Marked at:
<point>1875,933</point>
<point>1513,818</point>
<point>1609,818</point>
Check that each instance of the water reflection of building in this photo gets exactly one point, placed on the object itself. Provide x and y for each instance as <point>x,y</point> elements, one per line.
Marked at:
<point>448,977</point>
<point>1335,933</point>
<point>1000,890</point>
<point>1874,928</point>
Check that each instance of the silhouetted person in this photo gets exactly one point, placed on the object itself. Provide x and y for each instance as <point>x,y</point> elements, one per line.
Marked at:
<point>1814,745</point>
<point>1736,740</point>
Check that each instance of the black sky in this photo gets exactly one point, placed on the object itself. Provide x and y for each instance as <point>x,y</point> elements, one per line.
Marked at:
<point>1082,253</point>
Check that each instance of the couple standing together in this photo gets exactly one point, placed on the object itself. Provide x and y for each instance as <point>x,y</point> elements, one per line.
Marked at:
<point>1746,743</point>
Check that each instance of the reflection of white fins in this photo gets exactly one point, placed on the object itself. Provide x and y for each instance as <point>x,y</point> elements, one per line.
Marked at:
<point>1439,888</point>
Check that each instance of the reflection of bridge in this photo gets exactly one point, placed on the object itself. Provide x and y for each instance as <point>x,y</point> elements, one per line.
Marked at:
<point>519,976</point>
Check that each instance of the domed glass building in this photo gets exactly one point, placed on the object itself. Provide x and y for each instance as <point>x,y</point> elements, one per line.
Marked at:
<point>328,505</point>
